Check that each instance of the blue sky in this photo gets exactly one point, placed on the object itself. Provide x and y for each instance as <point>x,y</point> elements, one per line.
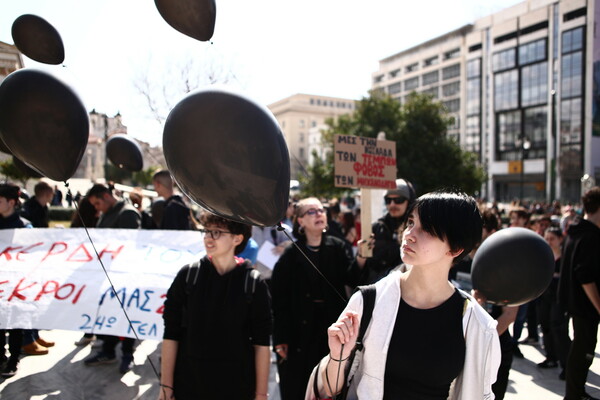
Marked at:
<point>271,48</point>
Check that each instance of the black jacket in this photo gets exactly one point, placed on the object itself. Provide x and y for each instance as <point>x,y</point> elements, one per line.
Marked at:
<point>14,221</point>
<point>176,214</point>
<point>386,253</point>
<point>580,264</point>
<point>36,213</point>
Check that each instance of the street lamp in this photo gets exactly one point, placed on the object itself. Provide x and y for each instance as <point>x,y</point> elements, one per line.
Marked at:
<point>525,145</point>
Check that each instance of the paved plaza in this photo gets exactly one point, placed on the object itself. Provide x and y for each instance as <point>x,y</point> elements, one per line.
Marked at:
<point>61,375</point>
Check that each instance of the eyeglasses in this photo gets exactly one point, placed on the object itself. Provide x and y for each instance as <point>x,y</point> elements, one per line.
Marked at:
<point>214,234</point>
<point>313,211</point>
<point>396,200</point>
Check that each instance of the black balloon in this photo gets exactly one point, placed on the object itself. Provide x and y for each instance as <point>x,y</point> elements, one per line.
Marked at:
<point>228,154</point>
<point>194,18</point>
<point>513,266</point>
<point>43,123</point>
<point>3,148</point>
<point>38,40</point>
<point>26,169</point>
<point>124,152</point>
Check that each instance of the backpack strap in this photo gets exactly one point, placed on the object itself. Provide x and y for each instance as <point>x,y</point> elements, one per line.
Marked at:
<point>369,294</point>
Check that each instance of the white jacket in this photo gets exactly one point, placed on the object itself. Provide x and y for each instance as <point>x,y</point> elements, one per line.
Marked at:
<point>482,355</point>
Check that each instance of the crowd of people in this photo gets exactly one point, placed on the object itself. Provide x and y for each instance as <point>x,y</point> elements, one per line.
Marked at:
<point>227,312</point>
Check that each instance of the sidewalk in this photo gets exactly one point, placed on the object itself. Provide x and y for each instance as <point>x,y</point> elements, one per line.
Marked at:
<point>61,375</point>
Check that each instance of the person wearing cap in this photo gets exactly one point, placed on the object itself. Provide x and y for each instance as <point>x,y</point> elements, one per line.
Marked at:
<point>386,248</point>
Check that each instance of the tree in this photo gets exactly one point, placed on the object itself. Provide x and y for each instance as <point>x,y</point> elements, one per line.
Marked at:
<point>319,179</point>
<point>143,178</point>
<point>11,171</point>
<point>424,154</point>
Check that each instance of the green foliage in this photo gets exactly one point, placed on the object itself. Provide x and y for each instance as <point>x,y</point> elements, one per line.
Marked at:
<point>424,154</point>
<point>116,174</point>
<point>143,178</point>
<point>319,182</point>
<point>11,172</point>
<point>59,213</point>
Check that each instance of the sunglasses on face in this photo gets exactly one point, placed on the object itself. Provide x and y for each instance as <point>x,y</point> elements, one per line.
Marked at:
<point>396,200</point>
<point>214,234</point>
<point>313,211</point>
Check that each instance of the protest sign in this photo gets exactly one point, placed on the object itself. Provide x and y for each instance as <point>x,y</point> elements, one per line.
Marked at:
<point>52,279</point>
<point>362,162</point>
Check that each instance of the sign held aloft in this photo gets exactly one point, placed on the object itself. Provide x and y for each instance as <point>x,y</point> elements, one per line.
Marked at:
<point>362,162</point>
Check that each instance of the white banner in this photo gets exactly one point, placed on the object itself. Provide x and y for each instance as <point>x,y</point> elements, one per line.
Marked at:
<point>52,278</point>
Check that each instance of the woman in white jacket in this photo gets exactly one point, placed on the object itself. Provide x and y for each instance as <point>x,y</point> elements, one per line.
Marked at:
<point>426,339</point>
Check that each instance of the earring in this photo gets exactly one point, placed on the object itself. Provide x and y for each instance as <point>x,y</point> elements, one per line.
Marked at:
<point>326,229</point>
<point>301,230</point>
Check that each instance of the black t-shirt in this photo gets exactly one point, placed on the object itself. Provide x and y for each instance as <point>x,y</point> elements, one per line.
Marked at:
<point>427,351</point>
<point>217,332</point>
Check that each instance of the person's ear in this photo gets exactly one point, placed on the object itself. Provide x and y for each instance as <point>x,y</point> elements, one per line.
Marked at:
<point>237,239</point>
<point>456,253</point>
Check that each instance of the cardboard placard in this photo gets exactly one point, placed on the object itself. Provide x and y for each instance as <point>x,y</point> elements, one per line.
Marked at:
<point>362,162</point>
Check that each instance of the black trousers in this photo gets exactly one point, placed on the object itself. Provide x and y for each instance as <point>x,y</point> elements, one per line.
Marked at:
<point>555,327</point>
<point>581,355</point>
<point>499,387</point>
<point>110,342</point>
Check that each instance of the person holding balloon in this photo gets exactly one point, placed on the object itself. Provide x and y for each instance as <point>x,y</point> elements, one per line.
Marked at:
<point>426,338</point>
<point>308,292</point>
<point>217,317</point>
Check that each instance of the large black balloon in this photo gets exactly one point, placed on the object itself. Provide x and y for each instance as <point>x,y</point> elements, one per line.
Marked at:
<point>43,123</point>
<point>513,266</point>
<point>228,154</point>
<point>24,168</point>
<point>124,152</point>
<point>38,40</point>
<point>194,18</point>
<point>3,148</point>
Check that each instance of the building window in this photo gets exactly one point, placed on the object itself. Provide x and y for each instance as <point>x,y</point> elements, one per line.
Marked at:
<point>411,84</point>
<point>432,91</point>
<point>532,52</point>
<point>474,68</point>
<point>451,89</point>
<point>570,121</point>
<point>394,73</point>
<point>301,137</point>
<point>430,77</point>
<point>301,123</point>
<point>571,78</point>
<point>451,54</point>
<point>431,61</point>
<point>452,105</point>
<point>395,88</point>
<point>506,90</point>
<point>472,134</point>
<point>505,59</point>
<point>572,40</point>
<point>474,96</point>
<point>535,129</point>
<point>378,79</point>
<point>312,102</point>
<point>508,135</point>
<point>534,84</point>
<point>313,124</point>
<point>412,67</point>
<point>301,153</point>
<point>454,123</point>
<point>451,72</point>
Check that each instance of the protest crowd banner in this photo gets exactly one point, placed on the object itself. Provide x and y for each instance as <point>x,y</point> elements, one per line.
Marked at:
<point>52,278</point>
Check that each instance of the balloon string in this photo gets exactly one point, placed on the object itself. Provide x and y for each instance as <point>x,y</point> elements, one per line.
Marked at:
<point>281,228</point>
<point>114,291</point>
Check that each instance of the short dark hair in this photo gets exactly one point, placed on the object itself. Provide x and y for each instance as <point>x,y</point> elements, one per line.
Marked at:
<point>163,177</point>
<point>555,230</point>
<point>521,213</point>
<point>237,228</point>
<point>42,187</point>
<point>451,216</point>
<point>10,192</point>
<point>98,190</point>
<point>490,219</point>
<point>591,200</point>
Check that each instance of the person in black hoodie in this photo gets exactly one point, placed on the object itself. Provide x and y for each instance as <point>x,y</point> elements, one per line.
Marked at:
<point>10,219</point>
<point>176,214</point>
<point>578,291</point>
<point>36,208</point>
<point>386,248</point>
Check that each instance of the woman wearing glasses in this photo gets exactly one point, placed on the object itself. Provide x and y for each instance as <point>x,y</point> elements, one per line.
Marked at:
<point>426,339</point>
<point>216,342</point>
<point>304,303</point>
